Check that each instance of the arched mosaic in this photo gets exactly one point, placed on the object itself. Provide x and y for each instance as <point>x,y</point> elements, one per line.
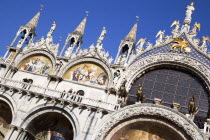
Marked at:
<point>87,73</point>
<point>38,64</point>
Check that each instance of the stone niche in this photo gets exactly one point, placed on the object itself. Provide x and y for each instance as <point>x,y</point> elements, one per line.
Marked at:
<point>146,129</point>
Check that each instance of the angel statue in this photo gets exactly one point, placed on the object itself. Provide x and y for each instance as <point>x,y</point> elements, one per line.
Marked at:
<point>149,46</point>
<point>203,47</point>
<point>192,33</point>
<point>140,44</point>
<point>160,39</point>
<point>192,109</point>
<point>175,31</point>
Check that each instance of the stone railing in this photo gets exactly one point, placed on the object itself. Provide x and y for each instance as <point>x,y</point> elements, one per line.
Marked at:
<point>62,96</point>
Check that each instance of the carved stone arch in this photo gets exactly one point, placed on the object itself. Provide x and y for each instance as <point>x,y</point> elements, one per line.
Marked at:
<point>6,98</point>
<point>92,60</point>
<point>34,52</point>
<point>50,108</point>
<point>151,111</point>
<point>195,46</point>
<point>181,60</point>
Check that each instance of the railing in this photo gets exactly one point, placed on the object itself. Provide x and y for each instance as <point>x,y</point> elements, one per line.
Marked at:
<point>59,95</point>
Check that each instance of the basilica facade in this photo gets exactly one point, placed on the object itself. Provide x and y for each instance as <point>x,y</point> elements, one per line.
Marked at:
<point>148,92</point>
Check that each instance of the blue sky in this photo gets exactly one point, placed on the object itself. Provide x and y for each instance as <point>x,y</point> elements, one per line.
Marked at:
<point>118,16</point>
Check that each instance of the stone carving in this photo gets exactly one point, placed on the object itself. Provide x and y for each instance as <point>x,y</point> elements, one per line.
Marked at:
<point>148,46</point>
<point>189,11</point>
<point>140,45</point>
<point>170,58</point>
<point>175,31</point>
<point>151,110</point>
<point>192,33</point>
<point>58,66</point>
<point>161,37</point>
<point>101,37</point>
<point>204,46</point>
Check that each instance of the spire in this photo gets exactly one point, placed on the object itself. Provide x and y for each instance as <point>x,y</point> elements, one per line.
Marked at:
<point>132,34</point>
<point>81,27</point>
<point>33,22</point>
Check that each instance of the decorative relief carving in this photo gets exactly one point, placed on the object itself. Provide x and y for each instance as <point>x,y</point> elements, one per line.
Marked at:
<point>149,110</point>
<point>174,59</point>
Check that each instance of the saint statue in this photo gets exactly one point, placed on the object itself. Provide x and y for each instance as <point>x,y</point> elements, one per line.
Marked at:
<point>189,11</point>
<point>101,37</point>
<point>192,109</point>
<point>140,95</point>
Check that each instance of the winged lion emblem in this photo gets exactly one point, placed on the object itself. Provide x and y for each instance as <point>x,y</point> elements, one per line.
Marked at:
<point>180,43</point>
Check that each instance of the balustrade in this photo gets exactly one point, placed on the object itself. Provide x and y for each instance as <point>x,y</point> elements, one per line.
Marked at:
<point>58,94</point>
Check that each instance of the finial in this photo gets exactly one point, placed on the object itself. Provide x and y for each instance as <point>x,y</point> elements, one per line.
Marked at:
<point>87,12</point>
<point>137,19</point>
<point>41,7</point>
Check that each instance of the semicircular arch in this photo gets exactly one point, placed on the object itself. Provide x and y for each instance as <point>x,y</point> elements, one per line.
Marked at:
<point>44,56</point>
<point>11,104</point>
<point>166,114</point>
<point>95,61</point>
<point>179,60</point>
<point>50,108</point>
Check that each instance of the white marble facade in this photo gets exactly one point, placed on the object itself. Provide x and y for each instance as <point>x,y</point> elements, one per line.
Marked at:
<point>85,88</point>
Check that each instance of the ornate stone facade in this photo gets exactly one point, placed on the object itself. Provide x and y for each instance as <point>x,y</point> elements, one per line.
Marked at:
<point>81,94</point>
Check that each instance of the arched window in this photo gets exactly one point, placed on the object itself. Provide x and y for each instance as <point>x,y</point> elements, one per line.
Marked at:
<point>173,85</point>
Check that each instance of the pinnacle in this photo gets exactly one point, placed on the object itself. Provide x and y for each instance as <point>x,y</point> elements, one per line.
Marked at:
<point>33,22</point>
<point>132,34</point>
<point>81,27</point>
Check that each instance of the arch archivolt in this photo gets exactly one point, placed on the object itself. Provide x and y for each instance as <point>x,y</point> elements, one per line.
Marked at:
<point>9,100</point>
<point>151,110</point>
<point>180,60</point>
<point>50,108</point>
<point>91,60</point>
<point>33,53</point>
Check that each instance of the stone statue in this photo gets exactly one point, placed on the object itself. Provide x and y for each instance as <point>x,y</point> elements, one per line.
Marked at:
<point>189,11</point>
<point>140,95</point>
<point>116,77</point>
<point>140,48</point>
<point>58,66</point>
<point>49,38</point>
<point>203,47</point>
<point>149,46</point>
<point>175,31</point>
<point>192,109</point>
<point>101,37</point>
<point>193,32</point>
<point>160,39</point>
<point>53,27</point>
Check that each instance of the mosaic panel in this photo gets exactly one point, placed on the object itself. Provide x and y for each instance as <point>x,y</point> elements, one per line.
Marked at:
<point>87,73</point>
<point>37,64</point>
